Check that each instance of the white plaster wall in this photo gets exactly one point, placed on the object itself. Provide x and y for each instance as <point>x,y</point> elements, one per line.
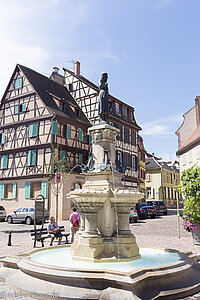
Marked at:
<point>188,126</point>
<point>190,157</point>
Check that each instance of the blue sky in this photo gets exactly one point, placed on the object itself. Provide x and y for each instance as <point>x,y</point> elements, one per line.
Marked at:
<point>150,48</point>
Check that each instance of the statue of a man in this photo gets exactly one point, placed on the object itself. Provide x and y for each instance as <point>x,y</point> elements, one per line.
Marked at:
<point>103,97</point>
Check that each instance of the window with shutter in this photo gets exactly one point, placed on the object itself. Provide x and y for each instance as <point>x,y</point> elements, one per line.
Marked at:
<point>80,159</point>
<point>24,107</point>
<point>31,158</point>
<point>3,138</point>
<point>126,135</point>
<point>133,137</point>
<point>44,189</point>
<point>27,190</point>
<point>4,162</point>
<point>80,135</point>
<point>54,128</point>
<point>68,132</point>
<point>18,83</point>
<point>33,130</point>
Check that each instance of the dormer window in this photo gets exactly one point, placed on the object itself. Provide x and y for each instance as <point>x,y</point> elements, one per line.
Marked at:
<point>18,83</point>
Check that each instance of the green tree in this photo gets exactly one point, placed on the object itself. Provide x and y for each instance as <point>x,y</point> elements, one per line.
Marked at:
<point>56,173</point>
<point>190,188</point>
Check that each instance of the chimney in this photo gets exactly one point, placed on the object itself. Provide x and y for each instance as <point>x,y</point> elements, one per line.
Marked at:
<point>197,108</point>
<point>77,68</point>
<point>55,69</point>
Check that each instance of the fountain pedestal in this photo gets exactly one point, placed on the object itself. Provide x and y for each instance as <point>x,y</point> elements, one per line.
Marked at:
<point>104,205</point>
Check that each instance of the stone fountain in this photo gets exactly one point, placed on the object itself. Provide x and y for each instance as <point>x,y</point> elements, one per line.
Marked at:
<point>104,204</point>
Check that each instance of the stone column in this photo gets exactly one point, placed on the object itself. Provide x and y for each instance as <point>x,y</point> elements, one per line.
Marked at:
<point>91,223</point>
<point>82,222</point>
<point>123,219</point>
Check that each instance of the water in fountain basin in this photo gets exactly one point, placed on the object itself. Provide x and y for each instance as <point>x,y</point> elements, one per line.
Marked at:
<point>149,258</point>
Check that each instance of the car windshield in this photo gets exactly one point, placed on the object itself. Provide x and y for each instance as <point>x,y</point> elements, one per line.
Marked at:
<point>158,203</point>
<point>19,210</point>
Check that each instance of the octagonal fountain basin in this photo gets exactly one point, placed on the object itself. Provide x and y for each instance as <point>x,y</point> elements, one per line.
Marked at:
<point>158,274</point>
<point>150,257</point>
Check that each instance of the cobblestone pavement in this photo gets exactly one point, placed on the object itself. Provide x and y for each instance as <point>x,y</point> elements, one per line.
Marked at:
<point>161,232</point>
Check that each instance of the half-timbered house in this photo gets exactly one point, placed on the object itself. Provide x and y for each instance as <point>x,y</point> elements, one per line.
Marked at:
<point>36,115</point>
<point>121,116</point>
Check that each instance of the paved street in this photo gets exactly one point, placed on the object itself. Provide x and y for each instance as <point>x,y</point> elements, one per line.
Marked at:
<point>161,232</point>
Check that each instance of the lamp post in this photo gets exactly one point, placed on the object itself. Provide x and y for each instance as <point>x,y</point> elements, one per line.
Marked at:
<point>177,206</point>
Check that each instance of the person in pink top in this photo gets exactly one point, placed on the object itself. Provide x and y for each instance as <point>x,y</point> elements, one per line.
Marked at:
<point>74,223</point>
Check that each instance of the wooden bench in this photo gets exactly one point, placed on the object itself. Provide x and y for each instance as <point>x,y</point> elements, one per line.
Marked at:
<point>41,234</point>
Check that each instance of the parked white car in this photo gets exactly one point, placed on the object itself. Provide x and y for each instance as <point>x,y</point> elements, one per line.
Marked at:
<point>25,214</point>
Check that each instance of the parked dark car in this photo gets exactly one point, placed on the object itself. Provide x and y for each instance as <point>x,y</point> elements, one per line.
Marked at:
<point>145,210</point>
<point>133,216</point>
<point>2,213</point>
<point>160,206</point>
<point>25,214</point>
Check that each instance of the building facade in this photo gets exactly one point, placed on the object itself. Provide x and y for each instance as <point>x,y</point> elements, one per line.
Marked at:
<point>161,181</point>
<point>121,116</point>
<point>189,137</point>
<point>141,159</point>
<point>38,115</point>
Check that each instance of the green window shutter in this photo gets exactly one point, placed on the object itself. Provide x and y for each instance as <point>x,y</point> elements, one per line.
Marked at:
<point>4,162</point>
<point>33,157</point>
<point>63,155</point>
<point>90,139</point>
<point>33,130</point>
<point>16,109</point>
<point>80,135</point>
<point>24,107</point>
<point>29,158</point>
<point>18,83</point>
<point>44,189</point>
<point>80,159</point>
<point>27,190</point>
<point>32,154</point>
<point>54,128</point>
<point>14,190</point>
<point>68,132</point>
<point>2,190</point>
<point>3,138</point>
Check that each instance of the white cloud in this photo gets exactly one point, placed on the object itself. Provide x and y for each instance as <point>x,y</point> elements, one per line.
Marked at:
<point>162,127</point>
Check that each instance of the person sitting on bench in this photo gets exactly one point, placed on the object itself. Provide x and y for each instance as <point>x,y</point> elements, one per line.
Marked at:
<point>54,231</point>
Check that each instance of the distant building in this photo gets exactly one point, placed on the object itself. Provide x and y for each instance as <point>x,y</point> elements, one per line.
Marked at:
<point>121,116</point>
<point>189,137</point>
<point>36,115</point>
<point>161,181</point>
<point>141,159</point>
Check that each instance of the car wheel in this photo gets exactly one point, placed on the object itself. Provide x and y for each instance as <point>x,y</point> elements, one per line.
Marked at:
<point>153,217</point>
<point>165,213</point>
<point>135,220</point>
<point>9,220</point>
<point>28,221</point>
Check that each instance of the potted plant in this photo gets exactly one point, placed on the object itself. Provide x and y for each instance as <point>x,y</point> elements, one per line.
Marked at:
<point>190,189</point>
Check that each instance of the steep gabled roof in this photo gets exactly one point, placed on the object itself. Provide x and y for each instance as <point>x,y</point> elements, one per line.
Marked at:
<point>96,88</point>
<point>151,163</point>
<point>192,140</point>
<point>47,89</point>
